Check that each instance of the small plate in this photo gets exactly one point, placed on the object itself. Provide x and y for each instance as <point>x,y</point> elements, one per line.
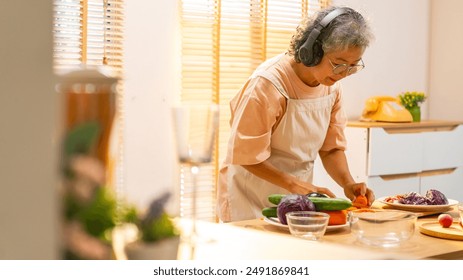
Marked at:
<point>276,222</point>
<point>419,208</point>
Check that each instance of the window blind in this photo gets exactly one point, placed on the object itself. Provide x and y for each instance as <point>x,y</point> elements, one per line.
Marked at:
<point>90,32</point>
<point>223,41</point>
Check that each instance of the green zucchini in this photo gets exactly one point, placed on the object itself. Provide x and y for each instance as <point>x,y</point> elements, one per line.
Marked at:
<point>269,212</point>
<point>330,203</point>
<point>275,198</point>
<point>321,203</point>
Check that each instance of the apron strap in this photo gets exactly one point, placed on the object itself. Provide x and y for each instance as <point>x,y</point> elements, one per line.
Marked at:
<point>274,82</point>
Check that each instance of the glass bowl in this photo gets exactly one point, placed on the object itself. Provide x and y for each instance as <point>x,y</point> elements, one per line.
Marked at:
<point>382,228</point>
<point>307,224</point>
<point>460,212</point>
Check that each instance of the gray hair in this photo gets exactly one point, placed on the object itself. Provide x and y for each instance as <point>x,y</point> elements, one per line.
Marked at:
<point>344,31</point>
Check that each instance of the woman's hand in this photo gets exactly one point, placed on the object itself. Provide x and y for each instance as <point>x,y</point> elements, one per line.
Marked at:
<point>268,172</point>
<point>301,187</point>
<point>353,190</point>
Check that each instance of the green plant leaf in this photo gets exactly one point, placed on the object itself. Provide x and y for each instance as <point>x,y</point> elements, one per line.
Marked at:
<point>81,138</point>
<point>158,229</point>
<point>100,214</point>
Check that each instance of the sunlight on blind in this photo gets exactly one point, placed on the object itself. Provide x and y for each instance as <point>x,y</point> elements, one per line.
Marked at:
<point>79,33</point>
<point>199,84</point>
<point>223,41</point>
<point>90,32</point>
<point>67,30</point>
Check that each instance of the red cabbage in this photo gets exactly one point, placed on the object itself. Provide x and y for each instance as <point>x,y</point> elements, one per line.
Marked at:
<point>432,197</point>
<point>414,198</point>
<point>293,202</point>
<point>436,197</point>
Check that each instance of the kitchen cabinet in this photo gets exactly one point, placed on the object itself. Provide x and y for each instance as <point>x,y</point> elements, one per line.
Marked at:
<point>395,158</point>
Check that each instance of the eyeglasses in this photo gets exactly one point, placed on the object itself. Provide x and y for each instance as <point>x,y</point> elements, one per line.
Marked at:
<point>341,68</point>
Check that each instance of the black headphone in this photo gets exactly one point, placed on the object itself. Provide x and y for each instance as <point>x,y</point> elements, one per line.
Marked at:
<point>311,52</point>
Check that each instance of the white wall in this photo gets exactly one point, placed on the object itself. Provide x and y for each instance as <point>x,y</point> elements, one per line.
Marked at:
<point>446,99</point>
<point>396,61</point>
<point>151,87</point>
<point>28,178</point>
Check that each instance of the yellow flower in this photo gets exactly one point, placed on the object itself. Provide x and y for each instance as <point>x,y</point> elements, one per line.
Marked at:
<point>412,99</point>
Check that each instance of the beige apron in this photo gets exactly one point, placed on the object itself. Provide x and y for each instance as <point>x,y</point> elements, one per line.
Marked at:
<point>294,147</point>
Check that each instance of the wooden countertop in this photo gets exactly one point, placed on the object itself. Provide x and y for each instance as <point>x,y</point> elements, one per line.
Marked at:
<point>255,240</point>
<point>420,246</point>
<point>241,241</point>
<point>258,240</point>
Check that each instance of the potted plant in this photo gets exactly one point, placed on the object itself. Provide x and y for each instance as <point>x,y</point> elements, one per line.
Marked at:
<point>412,100</point>
<point>158,238</point>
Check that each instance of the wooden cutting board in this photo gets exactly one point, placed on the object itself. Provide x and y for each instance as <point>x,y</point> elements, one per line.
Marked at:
<point>454,232</point>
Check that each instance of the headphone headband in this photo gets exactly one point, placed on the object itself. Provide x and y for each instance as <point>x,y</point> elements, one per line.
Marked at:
<point>311,52</point>
<point>333,14</point>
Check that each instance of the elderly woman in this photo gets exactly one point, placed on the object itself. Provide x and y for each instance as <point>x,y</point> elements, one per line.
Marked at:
<point>291,110</point>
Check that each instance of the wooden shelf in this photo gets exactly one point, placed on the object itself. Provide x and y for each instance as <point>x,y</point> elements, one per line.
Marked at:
<point>428,125</point>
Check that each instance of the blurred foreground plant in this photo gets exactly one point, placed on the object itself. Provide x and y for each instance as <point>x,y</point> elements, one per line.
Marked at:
<point>90,209</point>
<point>156,224</point>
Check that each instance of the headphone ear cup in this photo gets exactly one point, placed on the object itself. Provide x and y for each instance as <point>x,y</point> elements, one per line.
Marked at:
<point>317,53</point>
<point>305,55</point>
<point>311,55</point>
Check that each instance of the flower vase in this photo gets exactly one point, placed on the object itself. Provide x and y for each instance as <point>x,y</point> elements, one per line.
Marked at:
<point>416,113</point>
